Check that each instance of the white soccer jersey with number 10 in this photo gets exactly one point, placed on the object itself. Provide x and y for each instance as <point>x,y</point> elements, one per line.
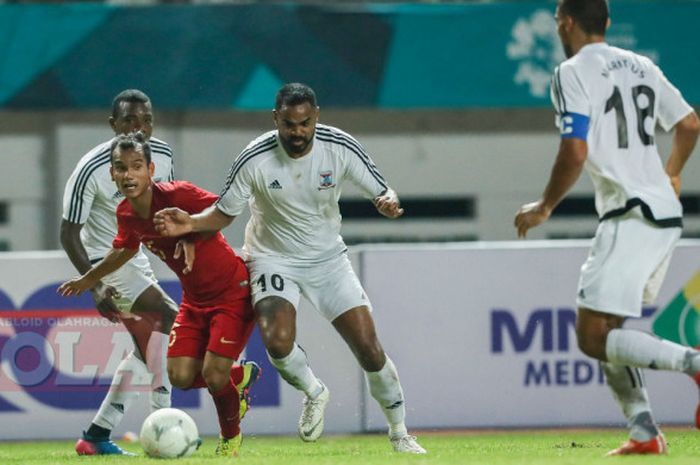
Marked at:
<point>91,197</point>
<point>294,202</point>
<point>613,98</point>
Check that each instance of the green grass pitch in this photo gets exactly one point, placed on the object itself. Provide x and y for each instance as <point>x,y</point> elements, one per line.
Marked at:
<point>575,447</point>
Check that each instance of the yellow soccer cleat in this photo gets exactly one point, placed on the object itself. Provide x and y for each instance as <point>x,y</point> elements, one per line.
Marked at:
<point>251,373</point>
<point>229,447</point>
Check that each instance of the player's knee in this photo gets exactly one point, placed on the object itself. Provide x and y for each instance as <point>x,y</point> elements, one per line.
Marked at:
<point>591,343</point>
<point>179,378</point>
<point>279,341</point>
<point>215,378</point>
<point>371,357</point>
<point>279,348</point>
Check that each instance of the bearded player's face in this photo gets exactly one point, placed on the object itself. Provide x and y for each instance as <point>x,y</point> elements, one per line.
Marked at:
<point>296,126</point>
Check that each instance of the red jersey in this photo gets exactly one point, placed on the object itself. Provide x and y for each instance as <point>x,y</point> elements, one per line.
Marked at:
<point>217,276</point>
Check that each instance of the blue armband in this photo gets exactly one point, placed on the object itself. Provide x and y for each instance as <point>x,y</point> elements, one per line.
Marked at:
<point>574,125</point>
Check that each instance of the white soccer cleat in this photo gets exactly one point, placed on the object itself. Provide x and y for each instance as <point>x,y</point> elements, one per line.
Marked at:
<point>407,444</point>
<point>311,420</point>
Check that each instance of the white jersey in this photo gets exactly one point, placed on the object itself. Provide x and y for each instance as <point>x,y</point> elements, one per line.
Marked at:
<point>294,202</point>
<point>91,197</point>
<point>613,99</point>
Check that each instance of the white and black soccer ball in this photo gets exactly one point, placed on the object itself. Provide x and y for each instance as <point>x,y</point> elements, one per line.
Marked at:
<point>169,433</point>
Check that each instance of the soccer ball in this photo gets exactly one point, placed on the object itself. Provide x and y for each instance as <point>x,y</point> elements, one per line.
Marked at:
<point>169,433</point>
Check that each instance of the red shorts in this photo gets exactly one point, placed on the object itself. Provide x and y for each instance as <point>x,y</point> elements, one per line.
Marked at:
<point>223,330</point>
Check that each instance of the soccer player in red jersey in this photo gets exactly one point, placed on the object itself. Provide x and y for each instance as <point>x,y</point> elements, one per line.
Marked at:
<point>216,317</point>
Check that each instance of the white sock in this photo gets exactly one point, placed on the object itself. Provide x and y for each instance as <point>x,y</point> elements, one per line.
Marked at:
<point>629,390</point>
<point>643,350</point>
<point>385,387</point>
<point>156,360</point>
<point>128,380</point>
<point>295,369</point>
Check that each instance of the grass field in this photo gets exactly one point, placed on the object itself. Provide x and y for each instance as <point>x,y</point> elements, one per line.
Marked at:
<point>489,448</point>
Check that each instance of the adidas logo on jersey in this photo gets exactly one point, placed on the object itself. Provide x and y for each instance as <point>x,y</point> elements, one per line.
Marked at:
<point>275,185</point>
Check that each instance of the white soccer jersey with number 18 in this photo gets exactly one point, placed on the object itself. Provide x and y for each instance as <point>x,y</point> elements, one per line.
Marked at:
<point>613,98</point>
<point>91,197</point>
<point>294,202</point>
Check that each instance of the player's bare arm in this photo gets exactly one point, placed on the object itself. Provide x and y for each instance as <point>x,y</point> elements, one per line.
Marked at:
<point>173,222</point>
<point>565,172</point>
<point>388,204</point>
<point>114,260</point>
<point>685,135</point>
<point>73,245</point>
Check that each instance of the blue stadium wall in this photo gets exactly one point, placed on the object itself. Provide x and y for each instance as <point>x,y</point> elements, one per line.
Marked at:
<point>234,57</point>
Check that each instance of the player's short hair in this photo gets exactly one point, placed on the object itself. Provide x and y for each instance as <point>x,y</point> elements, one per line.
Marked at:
<point>294,93</point>
<point>128,95</point>
<point>132,141</point>
<point>591,15</point>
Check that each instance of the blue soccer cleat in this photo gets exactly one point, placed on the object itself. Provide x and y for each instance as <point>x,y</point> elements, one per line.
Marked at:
<point>91,446</point>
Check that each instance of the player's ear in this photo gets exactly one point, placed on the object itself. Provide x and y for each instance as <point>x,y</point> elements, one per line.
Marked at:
<point>151,169</point>
<point>112,123</point>
<point>607,24</point>
<point>274,117</point>
<point>111,172</point>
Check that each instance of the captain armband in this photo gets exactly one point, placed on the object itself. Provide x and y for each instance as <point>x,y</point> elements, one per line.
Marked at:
<point>574,125</point>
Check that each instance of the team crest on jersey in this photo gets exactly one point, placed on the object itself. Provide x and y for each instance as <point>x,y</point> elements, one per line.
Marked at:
<point>326,180</point>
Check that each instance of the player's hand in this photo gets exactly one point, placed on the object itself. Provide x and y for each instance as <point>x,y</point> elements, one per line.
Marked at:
<point>676,183</point>
<point>75,286</point>
<point>186,249</point>
<point>172,222</point>
<point>388,204</point>
<point>530,215</point>
<point>102,295</point>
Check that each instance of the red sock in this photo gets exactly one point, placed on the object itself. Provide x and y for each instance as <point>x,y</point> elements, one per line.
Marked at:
<point>227,405</point>
<point>236,374</point>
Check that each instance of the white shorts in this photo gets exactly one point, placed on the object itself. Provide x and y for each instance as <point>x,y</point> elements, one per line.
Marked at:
<point>626,265</point>
<point>131,280</point>
<point>331,286</point>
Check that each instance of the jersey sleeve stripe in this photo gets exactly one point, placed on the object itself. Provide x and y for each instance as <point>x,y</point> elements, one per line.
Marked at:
<point>160,144</point>
<point>365,160</point>
<point>246,155</point>
<point>163,151</point>
<point>353,142</point>
<point>555,91</point>
<point>168,153</point>
<point>76,203</point>
<point>562,100</point>
<point>350,143</point>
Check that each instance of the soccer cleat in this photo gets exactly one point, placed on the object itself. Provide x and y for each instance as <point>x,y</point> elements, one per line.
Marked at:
<point>654,446</point>
<point>251,373</point>
<point>311,420</point>
<point>88,446</point>
<point>407,444</point>
<point>229,447</point>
